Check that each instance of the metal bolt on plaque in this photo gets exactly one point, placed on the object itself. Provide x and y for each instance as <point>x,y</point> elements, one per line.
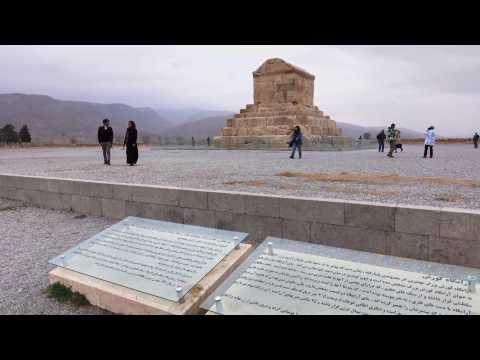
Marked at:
<point>238,245</point>
<point>472,280</point>
<point>270,248</point>
<point>179,294</point>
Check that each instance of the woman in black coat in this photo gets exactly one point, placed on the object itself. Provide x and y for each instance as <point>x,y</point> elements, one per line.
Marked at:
<point>131,143</point>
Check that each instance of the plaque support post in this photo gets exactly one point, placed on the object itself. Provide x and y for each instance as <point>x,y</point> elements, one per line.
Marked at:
<point>218,305</point>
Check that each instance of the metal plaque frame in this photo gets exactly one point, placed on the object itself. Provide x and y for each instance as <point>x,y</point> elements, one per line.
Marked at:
<point>160,258</point>
<point>222,300</point>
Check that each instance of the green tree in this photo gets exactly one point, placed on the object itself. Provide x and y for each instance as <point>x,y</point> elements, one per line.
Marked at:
<point>9,135</point>
<point>24,135</point>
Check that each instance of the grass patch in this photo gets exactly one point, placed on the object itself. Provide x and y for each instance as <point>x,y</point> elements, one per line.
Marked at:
<point>256,183</point>
<point>449,198</point>
<point>379,178</point>
<point>64,294</point>
<point>361,192</point>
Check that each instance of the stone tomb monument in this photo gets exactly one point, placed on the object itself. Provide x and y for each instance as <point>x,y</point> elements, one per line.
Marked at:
<point>143,266</point>
<point>289,277</point>
<point>283,98</point>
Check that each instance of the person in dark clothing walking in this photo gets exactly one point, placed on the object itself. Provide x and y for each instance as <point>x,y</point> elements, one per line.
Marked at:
<point>105,139</point>
<point>296,142</point>
<point>193,141</point>
<point>381,140</point>
<point>131,143</point>
<point>476,137</point>
<point>208,141</point>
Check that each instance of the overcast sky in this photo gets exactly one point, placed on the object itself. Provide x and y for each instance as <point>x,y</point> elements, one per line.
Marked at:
<point>413,86</point>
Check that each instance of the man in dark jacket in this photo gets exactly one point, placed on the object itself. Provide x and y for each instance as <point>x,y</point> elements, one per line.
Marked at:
<point>381,140</point>
<point>105,139</point>
<point>476,137</point>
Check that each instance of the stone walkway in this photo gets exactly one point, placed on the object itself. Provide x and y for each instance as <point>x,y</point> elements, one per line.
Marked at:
<point>450,179</point>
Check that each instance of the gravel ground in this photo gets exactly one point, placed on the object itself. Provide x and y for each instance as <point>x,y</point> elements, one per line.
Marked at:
<point>256,171</point>
<point>29,238</point>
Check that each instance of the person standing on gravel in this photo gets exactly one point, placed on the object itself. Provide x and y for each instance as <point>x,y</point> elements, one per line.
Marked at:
<point>131,143</point>
<point>296,142</point>
<point>381,140</point>
<point>105,139</point>
<point>391,137</point>
<point>429,141</point>
<point>476,137</point>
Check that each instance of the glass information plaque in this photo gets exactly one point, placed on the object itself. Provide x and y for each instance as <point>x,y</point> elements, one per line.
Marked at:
<point>155,257</point>
<point>294,278</point>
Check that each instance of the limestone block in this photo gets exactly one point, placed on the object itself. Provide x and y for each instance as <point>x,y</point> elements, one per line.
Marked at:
<point>194,199</point>
<point>230,202</point>
<point>281,120</point>
<point>32,183</point>
<point>90,188</point>
<point>9,180</point>
<point>63,186</point>
<point>460,224</point>
<point>123,191</point>
<point>325,212</point>
<point>87,205</point>
<point>133,208</point>
<point>454,251</point>
<point>258,227</point>
<point>408,245</point>
<point>165,213</point>
<point>199,217</point>
<point>240,132</point>
<point>57,201</point>
<point>9,193</point>
<point>417,220</point>
<point>224,220</point>
<point>262,205</point>
<point>227,132</point>
<point>349,237</point>
<point>296,230</point>
<point>114,209</point>
<point>370,215</point>
<point>155,195</point>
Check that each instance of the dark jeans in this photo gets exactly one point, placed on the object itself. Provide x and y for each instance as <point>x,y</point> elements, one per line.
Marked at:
<point>475,143</point>
<point>431,151</point>
<point>106,146</point>
<point>381,146</point>
<point>295,147</point>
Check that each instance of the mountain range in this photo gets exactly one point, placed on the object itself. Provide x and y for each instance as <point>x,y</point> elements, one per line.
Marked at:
<point>57,121</point>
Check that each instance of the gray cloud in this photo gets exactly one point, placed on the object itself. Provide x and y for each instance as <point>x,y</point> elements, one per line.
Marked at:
<point>414,86</point>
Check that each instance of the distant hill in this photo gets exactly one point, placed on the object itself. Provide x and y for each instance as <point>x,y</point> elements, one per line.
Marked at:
<point>354,131</point>
<point>211,126</point>
<point>59,122</point>
<point>187,115</point>
<point>56,121</point>
<point>203,128</point>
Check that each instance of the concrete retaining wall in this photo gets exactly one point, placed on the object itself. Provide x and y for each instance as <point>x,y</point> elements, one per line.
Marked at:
<point>443,235</point>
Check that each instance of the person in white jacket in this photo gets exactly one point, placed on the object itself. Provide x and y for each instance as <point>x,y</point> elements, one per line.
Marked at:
<point>429,141</point>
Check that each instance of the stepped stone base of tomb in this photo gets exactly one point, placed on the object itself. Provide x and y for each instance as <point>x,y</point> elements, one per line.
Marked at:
<point>268,126</point>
